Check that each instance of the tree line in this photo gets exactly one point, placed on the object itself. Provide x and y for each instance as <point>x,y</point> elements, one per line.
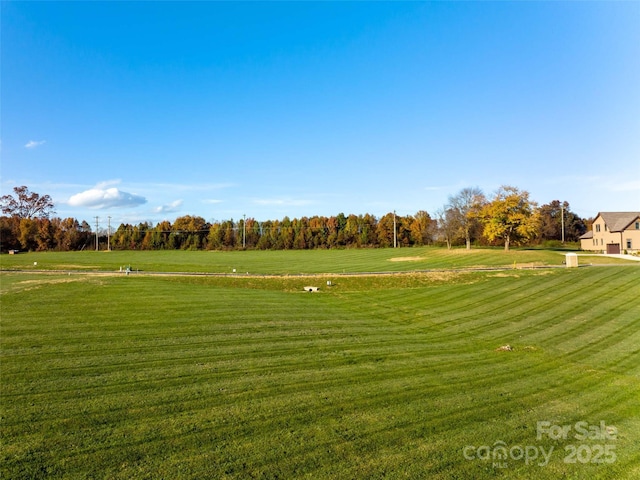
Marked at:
<point>469,218</point>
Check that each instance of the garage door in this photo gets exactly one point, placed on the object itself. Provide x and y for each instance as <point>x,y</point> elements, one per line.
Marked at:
<point>613,248</point>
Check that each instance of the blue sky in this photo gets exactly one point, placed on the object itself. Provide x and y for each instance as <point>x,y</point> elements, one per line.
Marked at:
<point>152,110</point>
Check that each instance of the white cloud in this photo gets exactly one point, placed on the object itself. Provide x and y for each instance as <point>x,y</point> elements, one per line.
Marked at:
<point>34,143</point>
<point>102,197</point>
<point>169,208</point>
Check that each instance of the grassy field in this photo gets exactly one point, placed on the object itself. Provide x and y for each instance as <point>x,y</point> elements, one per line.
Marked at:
<point>401,376</point>
<point>292,261</point>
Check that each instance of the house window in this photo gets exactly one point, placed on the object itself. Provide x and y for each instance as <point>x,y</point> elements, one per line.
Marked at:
<point>597,228</point>
<point>637,225</point>
<point>628,244</point>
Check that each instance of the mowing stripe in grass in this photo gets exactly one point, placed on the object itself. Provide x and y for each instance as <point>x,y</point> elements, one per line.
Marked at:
<point>376,377</point>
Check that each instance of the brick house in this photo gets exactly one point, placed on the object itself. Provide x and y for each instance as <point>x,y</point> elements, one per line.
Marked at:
<point>613,232</point>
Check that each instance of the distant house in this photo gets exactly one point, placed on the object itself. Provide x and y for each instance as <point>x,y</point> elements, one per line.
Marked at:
<point>613,232</point>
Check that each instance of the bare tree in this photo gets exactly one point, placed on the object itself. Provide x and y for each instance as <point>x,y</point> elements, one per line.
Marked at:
<point>466,207</point>
<point>448,225</point>
<point>27,204</point>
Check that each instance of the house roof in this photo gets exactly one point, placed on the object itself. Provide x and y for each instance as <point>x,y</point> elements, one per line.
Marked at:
<point>618,221</point>
<point>587,236</point>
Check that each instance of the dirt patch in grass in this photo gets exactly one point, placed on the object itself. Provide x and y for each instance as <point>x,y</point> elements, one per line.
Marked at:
<point>442,276</point>
<point>28,285</point>
<point>515,274</point>
<point>505,348</point>
<point>77,267</point>
<point>406,259</point>
<point>511,348</point>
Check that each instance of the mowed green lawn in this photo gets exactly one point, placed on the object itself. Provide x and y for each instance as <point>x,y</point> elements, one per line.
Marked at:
<point>379,376</point>
<point>292,261</point>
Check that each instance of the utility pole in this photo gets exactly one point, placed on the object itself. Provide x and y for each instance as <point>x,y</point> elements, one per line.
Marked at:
<point>109,234</point>
<point>562,216</point>
<point>244,230</point>
<point>395,239</point>
<point>97,218</point>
